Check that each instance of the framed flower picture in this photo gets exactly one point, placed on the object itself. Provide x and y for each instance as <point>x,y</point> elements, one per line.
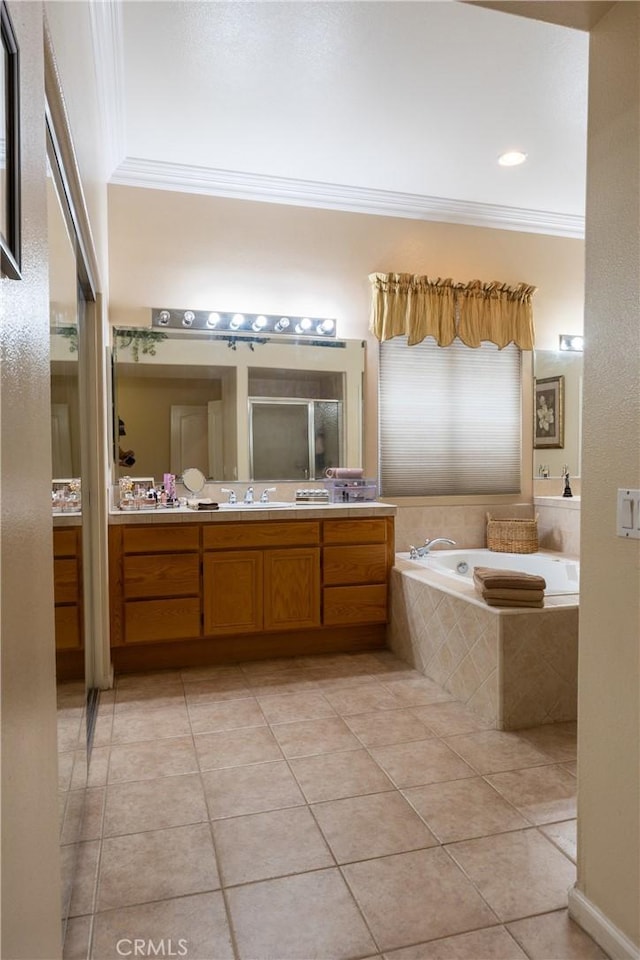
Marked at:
<point>548,427</point>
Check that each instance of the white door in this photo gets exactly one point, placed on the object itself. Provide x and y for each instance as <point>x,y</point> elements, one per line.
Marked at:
<point>196,438</point>
<point>60,441</point>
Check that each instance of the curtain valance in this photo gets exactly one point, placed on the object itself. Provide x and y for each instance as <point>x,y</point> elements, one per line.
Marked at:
<point>404,304</point>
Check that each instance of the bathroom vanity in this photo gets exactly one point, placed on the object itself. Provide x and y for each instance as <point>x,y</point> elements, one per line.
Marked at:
<point>67,585</point>
<point>190,588</point>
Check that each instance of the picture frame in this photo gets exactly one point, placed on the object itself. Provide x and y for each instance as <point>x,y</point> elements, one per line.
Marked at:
<point>548,426</point>
<point>10,233</point>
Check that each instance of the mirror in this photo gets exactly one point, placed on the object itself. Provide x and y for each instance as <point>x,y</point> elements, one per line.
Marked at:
<point>559,363</point>
<point>193,479</point>
<point>236,408</point>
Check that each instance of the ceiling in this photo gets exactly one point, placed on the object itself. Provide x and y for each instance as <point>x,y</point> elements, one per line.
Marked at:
<point>396,108</point>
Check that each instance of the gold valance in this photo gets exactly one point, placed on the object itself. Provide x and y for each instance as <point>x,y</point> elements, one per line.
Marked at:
<point>404,304</point>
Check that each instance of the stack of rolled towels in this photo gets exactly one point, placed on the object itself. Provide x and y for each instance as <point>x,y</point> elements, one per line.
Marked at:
<point>509,588</point>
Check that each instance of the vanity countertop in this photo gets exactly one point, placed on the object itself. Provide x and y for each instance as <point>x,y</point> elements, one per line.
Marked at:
<point>226,514</point>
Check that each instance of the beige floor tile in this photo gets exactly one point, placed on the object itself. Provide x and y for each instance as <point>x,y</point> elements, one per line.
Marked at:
<point>541,794</point>
<point>333,776</point>
<point>156,865</point>
<point>557,740</point>
<point>417,691</point>
<point>151,724</point>
<point>234,748</point>
<point>450,718</point>
<point>491,751</point>
<point>308,915</point>
<point>420,762</point>
<point>266,845</point>
<point>555,935</point>
<point>564,835</point>
<point>155,680</point>
<point>287,707</point>
<point>98,767</point>
<point>346,681</point>
<point>214,671</point>
<point>462,809</point>
<point>251,789</point>
<point>276,666</point>
<point>135,806</point>
<point>360,828</point>
<point>492,943</point>
<point>65,767</point>
<point>77,938</point>
<point>197,924</point>
<point>518,874</point>
<point>92,822</point>
<point>305,738</point>
<point>73,816</point>
<point>150,759</point>
<point>225,715</point>
<point>361,699</point>
<point>387,726</point>
<point>279,685</point>
<point>85,878</point>
<point>217,688</point>
<point>412,897</point>
<point>103,729</point>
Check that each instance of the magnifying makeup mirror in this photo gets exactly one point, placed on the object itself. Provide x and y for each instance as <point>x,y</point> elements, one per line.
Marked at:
<point>193,479</point>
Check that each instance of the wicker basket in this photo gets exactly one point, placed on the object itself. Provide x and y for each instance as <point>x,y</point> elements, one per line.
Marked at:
<point>512,535</point>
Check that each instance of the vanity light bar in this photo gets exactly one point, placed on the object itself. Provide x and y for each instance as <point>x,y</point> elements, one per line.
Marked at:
<point>243,322</point>
<point>570,341</point>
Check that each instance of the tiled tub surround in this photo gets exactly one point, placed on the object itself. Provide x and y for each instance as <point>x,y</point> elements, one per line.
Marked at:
<point>515,668</point>
<point>336,807</point>
<point>464,523</point>
<point>559,524</point>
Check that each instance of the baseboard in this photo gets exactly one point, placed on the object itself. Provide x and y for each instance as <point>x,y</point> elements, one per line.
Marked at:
<point>613,941</point>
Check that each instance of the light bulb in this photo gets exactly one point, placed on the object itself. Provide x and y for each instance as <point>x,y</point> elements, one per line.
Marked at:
<point>259,323</point>
<point>282,324</point>
<point>188,318</point>
<point>163,317</point>
<point>236,321</point>
<point>213,320</point>
<point>326,326</point>
<point>512,158</point>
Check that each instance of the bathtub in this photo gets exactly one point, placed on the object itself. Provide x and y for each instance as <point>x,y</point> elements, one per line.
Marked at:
<point>562,575</point>
<point>516,666</point>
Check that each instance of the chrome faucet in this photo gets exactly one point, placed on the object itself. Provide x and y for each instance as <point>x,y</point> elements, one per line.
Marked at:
<point>415,552</point>
<point>264,496</point>
<point>248,497</point>
<point>232,494</point>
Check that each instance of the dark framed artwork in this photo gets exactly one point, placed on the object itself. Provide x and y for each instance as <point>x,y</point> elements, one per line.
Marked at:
<point>10,259</point>
<point>548,428</point>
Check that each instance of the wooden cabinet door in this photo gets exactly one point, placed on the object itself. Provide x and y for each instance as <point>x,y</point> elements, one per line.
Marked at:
<point>233,590</point>
<point>291,588</point>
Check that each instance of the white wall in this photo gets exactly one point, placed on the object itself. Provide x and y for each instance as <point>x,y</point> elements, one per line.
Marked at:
<point>609,670</point>
<point>30,863</point>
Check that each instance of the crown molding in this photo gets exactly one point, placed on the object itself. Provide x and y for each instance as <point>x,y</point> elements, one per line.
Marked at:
<point>107,40</point>
<point>155,174</point>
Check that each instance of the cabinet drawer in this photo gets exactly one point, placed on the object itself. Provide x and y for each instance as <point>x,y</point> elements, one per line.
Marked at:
<point>65,580</point>
<point>163,575</point>
<point>223,536</point>
<point>361,564</point>
<point>371,530</point>
<point>68,628</point>
<point>154,539</point>
<point>148,620</point>
<point>65,542</point>
<point>355,605</point>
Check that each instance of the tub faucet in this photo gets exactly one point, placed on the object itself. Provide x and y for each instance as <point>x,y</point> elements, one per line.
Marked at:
<point>415,552</point>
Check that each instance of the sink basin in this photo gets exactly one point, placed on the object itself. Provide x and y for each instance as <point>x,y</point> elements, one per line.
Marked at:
<point>256,505</point>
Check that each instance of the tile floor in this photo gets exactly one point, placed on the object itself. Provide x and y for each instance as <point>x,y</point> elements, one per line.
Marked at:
<point>321,807</point>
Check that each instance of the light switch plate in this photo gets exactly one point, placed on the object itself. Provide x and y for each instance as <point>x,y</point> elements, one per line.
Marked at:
<point>628,514</point>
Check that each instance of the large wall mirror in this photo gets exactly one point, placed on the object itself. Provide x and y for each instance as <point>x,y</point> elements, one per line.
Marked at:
<point>259,408</point>
<point>550,366</point>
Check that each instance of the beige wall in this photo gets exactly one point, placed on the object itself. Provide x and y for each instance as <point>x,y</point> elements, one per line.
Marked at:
<point>30,865</point>
<point>609,672</point>
<point>183,250</point>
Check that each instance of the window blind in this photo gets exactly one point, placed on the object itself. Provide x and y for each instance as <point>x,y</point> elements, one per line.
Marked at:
<point>449,419</point>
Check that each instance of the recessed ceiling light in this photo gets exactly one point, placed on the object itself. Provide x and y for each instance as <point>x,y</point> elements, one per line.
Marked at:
<point>512,158</point>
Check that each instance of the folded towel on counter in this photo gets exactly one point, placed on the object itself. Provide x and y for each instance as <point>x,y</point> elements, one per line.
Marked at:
<point>203,505</point>
<point>488,578</point>
<point>513,603</point>
<point>512,594</point>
